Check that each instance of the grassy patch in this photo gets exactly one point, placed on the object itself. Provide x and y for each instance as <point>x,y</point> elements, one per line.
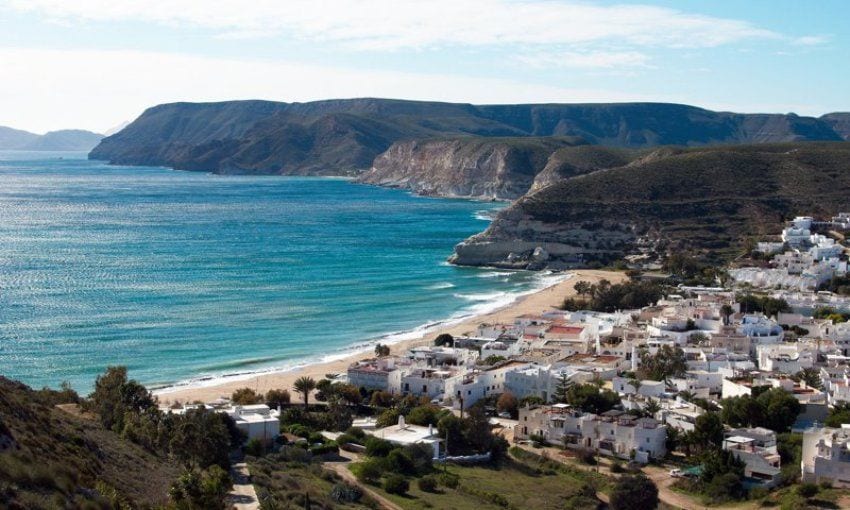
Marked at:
<point>528,482</point>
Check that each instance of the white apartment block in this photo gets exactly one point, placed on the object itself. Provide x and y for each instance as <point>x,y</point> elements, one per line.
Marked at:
<point>382,374</point>
<point>613,433</point>
<point>756,447</point>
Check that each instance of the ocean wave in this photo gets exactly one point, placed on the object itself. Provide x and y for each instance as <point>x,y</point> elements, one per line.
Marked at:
<point>484,215</point>
<point>441,285</point>
<point>484,303</point>
<point>485,296</point>
<point>493,274</point>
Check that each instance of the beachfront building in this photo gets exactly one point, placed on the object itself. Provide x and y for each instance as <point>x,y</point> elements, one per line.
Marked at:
<point>756,447</point>
<point>404,434</point>
<point>381,374</point>
<point>826,456</point>
<point>613,433</point>
<point>439,356</point>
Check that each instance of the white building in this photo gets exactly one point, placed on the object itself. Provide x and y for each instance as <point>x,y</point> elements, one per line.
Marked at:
<point>404,434</point>
<point>614,433</point>
<point>826,456</point>
<point>382,374</point>
<point>756,447</point>
<point>256,421</point>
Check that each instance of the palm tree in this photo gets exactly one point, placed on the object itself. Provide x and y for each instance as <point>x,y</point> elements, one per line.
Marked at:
<point>304,385</point>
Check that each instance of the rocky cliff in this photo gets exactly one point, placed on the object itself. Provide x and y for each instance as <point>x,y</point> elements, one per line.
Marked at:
<point>705,201</point>
<point>345,136</point>
<point>481,168</point>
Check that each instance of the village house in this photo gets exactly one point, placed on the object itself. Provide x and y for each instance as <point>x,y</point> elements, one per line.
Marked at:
<point>756,447</point>
<point>381,374</point>
<point>826,456</point>
<point>678,414</point>
<point>404,434</point>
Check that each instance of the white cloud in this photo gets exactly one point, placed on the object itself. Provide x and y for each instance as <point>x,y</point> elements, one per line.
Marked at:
<point>93,89</point>
<point>587,60</point>
<point>405,24</point>
<point>811,40</point>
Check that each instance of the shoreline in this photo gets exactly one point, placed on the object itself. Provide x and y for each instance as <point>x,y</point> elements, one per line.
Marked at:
<point>537,301</point>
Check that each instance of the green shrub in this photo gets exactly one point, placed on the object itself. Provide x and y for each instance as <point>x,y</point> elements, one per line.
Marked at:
<point>315,437</point>
<point>807,490</point>
<point>427,483</point>
<point>324,449</point>
<point>398,461</point>
<point>449,480</point>
<point>368,471</point>
<point>396,484</point>
<point>617,467</point>
<point>255,447</point>
<point>377,447</point>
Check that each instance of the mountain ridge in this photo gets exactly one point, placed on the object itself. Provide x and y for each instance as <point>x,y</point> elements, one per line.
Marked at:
<point>60,140</point>
<point>344,136</point>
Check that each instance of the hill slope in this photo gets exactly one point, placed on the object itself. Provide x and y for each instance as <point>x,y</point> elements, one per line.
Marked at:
<point>704,200</point>
<point>52,459</point>
<point>345,136</point>
<point>62,140</point>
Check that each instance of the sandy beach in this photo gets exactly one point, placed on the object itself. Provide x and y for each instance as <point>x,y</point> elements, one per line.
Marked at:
<point>540,301</point>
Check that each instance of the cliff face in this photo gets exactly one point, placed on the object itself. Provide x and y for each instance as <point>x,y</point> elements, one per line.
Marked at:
<point>839,122</point>
<point>345,136</point>
<point>483,168</point>
<point>704,201</point>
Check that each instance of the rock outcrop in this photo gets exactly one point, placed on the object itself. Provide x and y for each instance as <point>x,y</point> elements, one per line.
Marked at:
<point>481,168</point>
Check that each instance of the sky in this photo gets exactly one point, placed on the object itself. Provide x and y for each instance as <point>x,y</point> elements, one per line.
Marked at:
<point>93,64</point>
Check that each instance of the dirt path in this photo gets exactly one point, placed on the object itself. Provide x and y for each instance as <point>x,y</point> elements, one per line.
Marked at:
<point>242,496</point>
<point>340,467</point>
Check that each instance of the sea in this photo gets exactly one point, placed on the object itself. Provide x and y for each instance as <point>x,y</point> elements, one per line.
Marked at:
<point>188,277</point>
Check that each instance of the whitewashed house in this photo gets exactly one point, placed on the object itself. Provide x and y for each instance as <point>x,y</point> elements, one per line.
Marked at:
<point>826,456</point>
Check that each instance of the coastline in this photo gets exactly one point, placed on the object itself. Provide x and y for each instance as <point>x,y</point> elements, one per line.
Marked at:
<point>538,301</point>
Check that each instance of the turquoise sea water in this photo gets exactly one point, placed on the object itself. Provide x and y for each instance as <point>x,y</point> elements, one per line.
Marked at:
<point>186,276</point>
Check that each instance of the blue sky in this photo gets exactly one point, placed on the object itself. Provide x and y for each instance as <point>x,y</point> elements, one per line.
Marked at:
<point>95,63</point>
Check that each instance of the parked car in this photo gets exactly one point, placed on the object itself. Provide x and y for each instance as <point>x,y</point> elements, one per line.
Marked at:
<point>676,473</point>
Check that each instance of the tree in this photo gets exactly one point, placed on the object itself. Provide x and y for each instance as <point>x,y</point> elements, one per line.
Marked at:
<point>838,415</point>
<point>708,431</point>
<point>742,411</point>
<point>582,288</point>
<point>665,363</point>
<point>246,397</point>
<point>114,396</point>
<point>444,339</point>
<point>277,398</point>
<point>561,394</point>
<point>780,409</point>
<point>811,377</point>
<point>651,408</point>
<point>304,385</point>
<point>396,484</point>
<point>382,350</point>
<point>590,399</point>
<point>201,439</point>
<point>508,403</point>
<point>726,311</point>
<point>634,492</point>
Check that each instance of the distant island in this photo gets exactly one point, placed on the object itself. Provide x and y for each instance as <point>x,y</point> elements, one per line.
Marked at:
<point>62,140</point>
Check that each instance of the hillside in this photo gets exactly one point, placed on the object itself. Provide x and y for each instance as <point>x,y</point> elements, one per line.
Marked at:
<point>345,136</point>
<point>704,200</point>
<point>839,122</point>
<point>52,459</point>
<point>483,168</point>
<point>62,140</point>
